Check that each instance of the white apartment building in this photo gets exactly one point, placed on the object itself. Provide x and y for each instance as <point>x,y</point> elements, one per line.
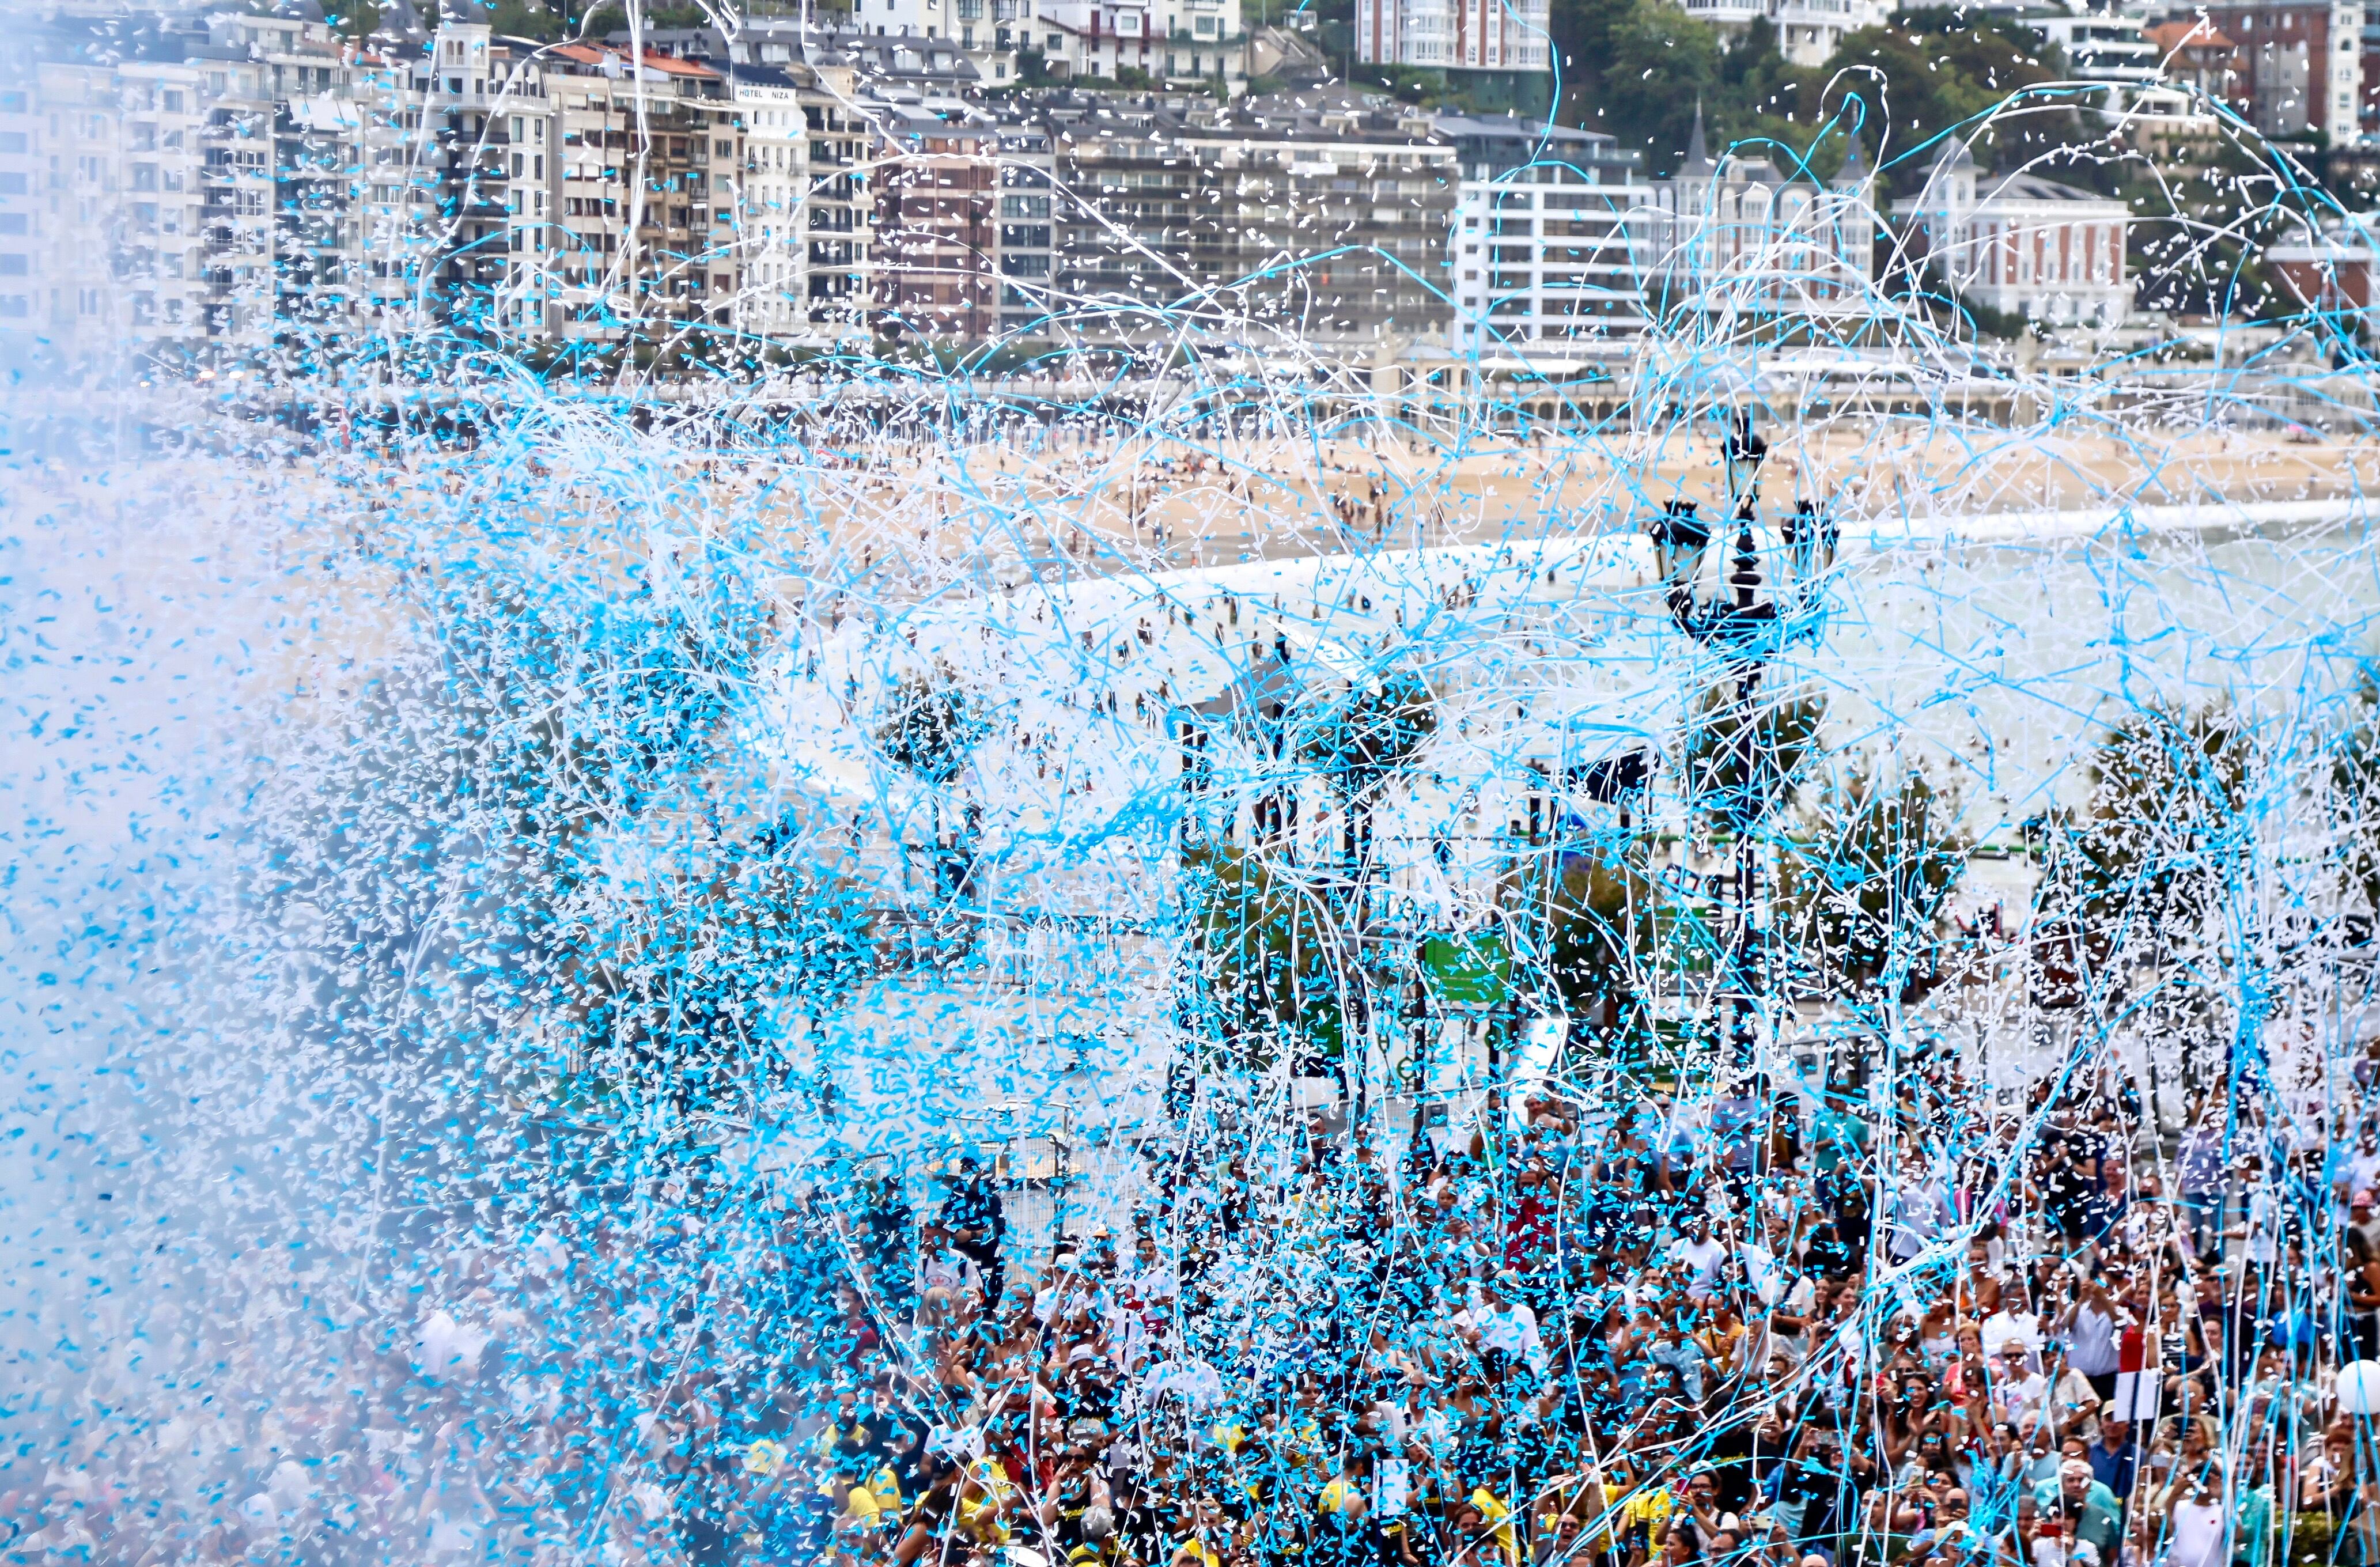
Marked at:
<point>283,125</point>
<point>2020,244</point>
<point>23,199</point>
<point>1550,235</point>
<point>100,230</point>
<point>1807,30</point>
<point>239,191</point>
<point>490,116</point>
<point>1477,36</point>
<point>1171,41</point>
<point>772,193</point>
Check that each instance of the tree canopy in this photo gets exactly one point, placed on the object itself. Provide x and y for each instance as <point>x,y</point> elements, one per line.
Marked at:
<point>1639,69</point>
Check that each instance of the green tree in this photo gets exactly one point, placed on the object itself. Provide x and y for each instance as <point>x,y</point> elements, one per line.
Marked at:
<point>353,19</point>
<point>1370,735</point>
<point>1606,921</point>
<point>1746,755</point>
<point>524,19</point>
<point>1662,65</point>
<point>1926,71</point>
<point>1273,959</point>
<point>1861,897</point>
<point>930,727</point>
<point>2355,796</point>
<point>2137,873</point>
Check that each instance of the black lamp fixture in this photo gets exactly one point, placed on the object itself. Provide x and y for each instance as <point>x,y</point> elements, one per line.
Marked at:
<point>1765,589</point>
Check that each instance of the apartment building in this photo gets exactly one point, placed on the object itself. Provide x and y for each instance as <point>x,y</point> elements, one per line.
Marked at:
<point>1552,231</point>
<point>101,247</point>
<point>1738,236</point>
<point>1167,44</point>
<point>122,235</point>
<point>1027,172</point>
<point>838,218</point>
<point>1325,219</point>
<point>283,138</point>
<point>2297,67</point>
<point>650,154</point>
<point>23,290</point>
<point>770,197</point>
<point>935,273</point>
<point>1504,37</point>
<point>488,125</point>
<point>884,56</point>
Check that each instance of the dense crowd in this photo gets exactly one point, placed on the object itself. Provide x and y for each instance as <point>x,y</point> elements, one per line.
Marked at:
<point>1781,1326</point>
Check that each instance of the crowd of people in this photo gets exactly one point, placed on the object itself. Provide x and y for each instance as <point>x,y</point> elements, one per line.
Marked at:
<point>1916,1319</point>
<point>1781,1326</point>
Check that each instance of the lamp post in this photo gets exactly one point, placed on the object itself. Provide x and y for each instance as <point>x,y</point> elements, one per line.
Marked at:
<point>1770,599</point>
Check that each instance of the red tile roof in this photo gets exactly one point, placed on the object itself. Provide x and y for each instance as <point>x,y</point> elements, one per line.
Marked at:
<point>2195,34</point>
<point>660,65</point>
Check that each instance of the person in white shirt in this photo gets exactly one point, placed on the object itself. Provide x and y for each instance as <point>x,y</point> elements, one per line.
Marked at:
<point>1920,1213</point>
<point>1762,1272</point>
<point>2018,1389</point>
<point>1147,1282</point>
<point>2089,1328</point>
<point>1497,1320</point>
<point>2013,1331</point>
<point>2194,1526</point>
<point>1703,1254</point>
<point>941,1265</point>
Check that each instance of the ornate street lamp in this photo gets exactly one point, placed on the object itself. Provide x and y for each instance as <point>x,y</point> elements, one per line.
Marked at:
<point>1766,588</point>
<point>1772,598</point>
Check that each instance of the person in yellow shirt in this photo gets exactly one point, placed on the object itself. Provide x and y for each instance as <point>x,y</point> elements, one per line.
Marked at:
<point>1206,1524</point>
<point>1343,1532</point>
<point>1596,1506</point>
<point>984,1496</point>
<point>1498,1538</point>
<point>1644,1523</point>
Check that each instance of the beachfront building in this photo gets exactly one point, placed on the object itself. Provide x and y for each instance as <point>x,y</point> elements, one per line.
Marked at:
<point>1321,217</point>
<point>1552,231</point>
<point>933,270</point>
<point>651,155</point>
<point>2018,243</point>
<point>1737,236</point>
<point>2298,66</point>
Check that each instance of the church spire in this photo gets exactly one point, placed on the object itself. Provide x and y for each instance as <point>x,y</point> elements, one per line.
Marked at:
<point>1698,158</point>
<point>1854,171</point>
